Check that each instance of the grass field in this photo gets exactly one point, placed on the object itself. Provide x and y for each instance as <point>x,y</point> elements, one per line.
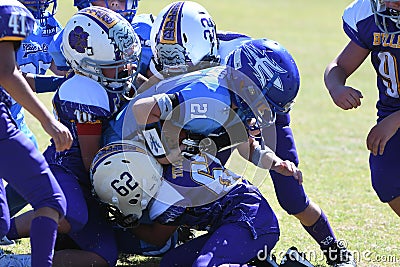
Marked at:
<point>330,142</point>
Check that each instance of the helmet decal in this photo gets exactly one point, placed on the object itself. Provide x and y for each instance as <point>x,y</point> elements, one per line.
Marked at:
<point>264,67</point>
<point>122,36</point>
<point>118,32</point>
<point>268,77</point>
<point>169,26</point>
<point>78,39</point>
<point>171,54</point>
<point>183,37</point>
<point>97,38</point>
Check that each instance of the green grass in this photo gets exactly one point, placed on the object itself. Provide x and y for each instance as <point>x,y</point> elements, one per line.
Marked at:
<point>330,141</point>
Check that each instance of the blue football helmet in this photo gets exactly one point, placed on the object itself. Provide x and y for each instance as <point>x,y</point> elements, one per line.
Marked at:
<point>127,8</point>
<point>41,9</point>
<point>387,19</point>
<point>266,79</point>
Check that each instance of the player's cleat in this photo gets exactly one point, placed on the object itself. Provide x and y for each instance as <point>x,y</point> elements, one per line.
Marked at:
<point>15,260</point>
<point>6,242</point>
<point>337,255</point>
<point>294,258</point>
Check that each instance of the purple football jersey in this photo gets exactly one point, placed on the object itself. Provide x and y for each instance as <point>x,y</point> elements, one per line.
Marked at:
<point>359,24</point>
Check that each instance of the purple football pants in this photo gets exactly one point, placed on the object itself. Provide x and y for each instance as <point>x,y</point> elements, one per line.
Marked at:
<point>229,244</point>
<point>385,176</point>
<point>25,169</point>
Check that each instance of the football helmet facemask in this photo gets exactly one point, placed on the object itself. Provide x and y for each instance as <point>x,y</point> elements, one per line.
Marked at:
<point>387,19</point>
<point>183,36</point>
<point>125,177</point>
<point>41,9</point>
<point>265,78</point>
<point>97,40</point>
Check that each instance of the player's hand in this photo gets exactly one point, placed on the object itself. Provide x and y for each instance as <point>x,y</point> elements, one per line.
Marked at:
<point>288,168</point>
<point>61,135</point>
<point>346,97</point>
<point>380,134</point>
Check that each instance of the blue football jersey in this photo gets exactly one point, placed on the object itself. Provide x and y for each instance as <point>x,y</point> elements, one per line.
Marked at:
<point>16,23</point>
<point>33,55</point>
<point>359,25</point>
<point>142,24</point>
<point>204,103</point>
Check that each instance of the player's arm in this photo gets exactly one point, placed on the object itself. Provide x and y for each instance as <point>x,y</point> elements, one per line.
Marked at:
<point>44,83</point>
<point>155,233</point>
<point>149,112</point>
<point>89,136</point>
<point>382,132</point>
<point>337,72</point>
<point>15,84</point>
<point>265,158</point>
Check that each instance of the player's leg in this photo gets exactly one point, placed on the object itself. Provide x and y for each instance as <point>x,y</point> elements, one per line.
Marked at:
<point>4,216</point>
<point>35,183</point>
<point>395,205</point>
<point>15,201</point>
<point>231,243</point>
<point>76,215</point>
<point>4,212</point>
<point>384,174</point>
<point>293,199</point>
<point>96,242</point>
<point>236,241</point>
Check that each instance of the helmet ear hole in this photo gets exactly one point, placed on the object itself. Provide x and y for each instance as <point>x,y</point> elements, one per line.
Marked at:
<point>134,201</point>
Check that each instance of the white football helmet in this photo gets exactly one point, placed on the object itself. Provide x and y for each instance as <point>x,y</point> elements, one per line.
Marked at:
<point>183,35</point>
<point>97,40</point>
<point>387,19</point>
<point>125,177</point>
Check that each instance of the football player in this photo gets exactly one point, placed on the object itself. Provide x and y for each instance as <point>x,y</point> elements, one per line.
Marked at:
<point>373,28</point>
<point>215,44</point>
<point>34,181</point>
<point>85,103</point>
<point>198,192</point>
<point>34,60</point>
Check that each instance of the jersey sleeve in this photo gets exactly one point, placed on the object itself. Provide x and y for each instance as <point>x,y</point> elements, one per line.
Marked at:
<point>357,18</point>
<point>16,22</point>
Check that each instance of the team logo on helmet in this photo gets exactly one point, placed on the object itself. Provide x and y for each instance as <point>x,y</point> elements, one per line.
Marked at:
<point>264,67</point>
<point>78,39</point>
